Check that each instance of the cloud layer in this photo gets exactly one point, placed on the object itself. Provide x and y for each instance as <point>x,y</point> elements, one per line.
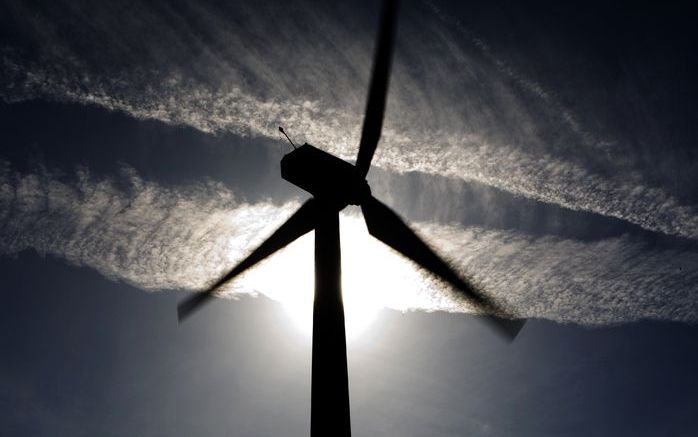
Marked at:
<point>157,237</point>
<point>456,107</point>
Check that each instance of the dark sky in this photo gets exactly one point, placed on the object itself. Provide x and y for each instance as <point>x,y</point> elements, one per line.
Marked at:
<point>548,151</point>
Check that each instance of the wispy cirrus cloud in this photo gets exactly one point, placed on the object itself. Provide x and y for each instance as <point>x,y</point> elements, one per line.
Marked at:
<point>157,237</point>
<point>130,229</point>
<point>455,107</point>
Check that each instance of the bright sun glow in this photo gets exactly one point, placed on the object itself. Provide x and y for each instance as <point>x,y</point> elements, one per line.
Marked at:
<point>372,275</point>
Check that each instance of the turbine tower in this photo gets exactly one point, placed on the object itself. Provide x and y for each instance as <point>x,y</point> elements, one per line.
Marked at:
<point>335,184</point>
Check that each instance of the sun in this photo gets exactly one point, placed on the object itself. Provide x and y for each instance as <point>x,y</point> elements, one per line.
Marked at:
<point>372,276</point>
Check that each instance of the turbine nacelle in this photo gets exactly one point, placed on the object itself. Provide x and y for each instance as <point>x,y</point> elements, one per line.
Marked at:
<point>328,178</point>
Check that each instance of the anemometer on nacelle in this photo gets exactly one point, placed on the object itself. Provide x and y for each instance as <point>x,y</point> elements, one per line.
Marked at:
<point>289,140</point>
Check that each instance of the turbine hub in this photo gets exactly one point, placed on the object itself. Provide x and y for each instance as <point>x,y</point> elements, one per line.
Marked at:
<point>360,193</point>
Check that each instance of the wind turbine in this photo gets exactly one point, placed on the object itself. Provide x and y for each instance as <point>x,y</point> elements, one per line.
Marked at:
<point>335,184</point>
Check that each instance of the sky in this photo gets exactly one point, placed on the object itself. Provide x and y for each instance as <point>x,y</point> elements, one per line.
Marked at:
<point>547,151</point>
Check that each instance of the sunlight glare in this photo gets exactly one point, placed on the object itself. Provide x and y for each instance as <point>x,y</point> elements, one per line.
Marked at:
<point>372,276</point>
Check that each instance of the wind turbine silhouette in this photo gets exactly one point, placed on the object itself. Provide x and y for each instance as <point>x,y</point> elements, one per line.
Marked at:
<point>335,184</point>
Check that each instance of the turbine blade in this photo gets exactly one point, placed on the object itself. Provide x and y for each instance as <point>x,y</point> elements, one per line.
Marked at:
<point>375,107</point>
<point>299,224</point>
<point>384,224</point>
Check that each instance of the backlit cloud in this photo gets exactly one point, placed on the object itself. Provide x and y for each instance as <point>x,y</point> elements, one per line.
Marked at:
<point>154,237</point>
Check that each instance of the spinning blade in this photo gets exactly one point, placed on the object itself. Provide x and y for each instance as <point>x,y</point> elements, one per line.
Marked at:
<point>299,224</point>
<point>386,226</point>
<point>375,107</point>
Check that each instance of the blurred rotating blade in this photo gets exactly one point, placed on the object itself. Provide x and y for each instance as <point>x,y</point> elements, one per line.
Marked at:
<point>389,228</point>
<point>375,107</point>
<point>299,224</point>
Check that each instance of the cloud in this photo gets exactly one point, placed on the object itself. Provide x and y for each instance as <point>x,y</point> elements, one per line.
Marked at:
<point>456,107</point>
<point>158,237</point>
<point>608,281</point>
<point>130,229</point>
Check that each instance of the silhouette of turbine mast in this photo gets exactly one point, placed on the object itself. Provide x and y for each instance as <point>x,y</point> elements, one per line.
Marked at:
<point>335,184</point>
